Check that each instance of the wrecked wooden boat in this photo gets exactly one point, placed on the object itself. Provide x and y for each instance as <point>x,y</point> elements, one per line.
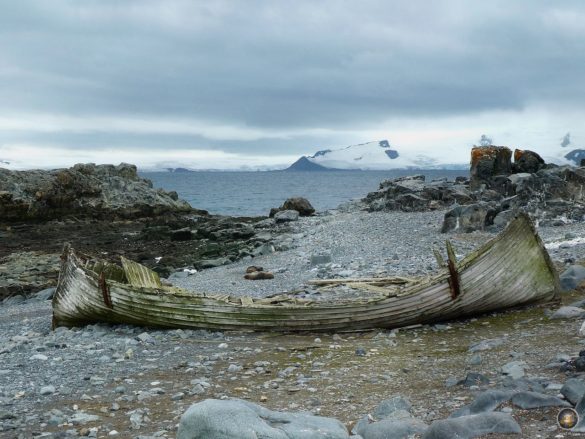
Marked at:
<point>512,269</point>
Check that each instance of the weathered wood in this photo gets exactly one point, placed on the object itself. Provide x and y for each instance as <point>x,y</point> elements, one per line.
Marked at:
<point>380,280</point>
<point>510,270</point>
<point>454,280</point>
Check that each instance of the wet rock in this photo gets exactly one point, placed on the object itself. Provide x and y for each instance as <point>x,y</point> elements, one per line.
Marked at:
<point>239,419</point>
<point>467,427</point>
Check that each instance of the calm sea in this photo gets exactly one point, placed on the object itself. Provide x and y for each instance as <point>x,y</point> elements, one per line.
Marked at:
<point>254,193</point>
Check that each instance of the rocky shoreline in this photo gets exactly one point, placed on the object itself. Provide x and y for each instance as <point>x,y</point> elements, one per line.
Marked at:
<point>507,372</point>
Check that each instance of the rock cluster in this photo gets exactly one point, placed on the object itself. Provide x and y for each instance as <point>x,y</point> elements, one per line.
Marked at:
<point>85,190</point>
<point>496,190</point>
<point>298,204</point>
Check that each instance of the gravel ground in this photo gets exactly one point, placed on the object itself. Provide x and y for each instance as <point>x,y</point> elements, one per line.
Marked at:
<point>130,382</point>
<point>360,244</point>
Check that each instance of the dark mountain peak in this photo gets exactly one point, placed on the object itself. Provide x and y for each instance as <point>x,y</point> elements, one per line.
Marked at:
<point>304,164</point>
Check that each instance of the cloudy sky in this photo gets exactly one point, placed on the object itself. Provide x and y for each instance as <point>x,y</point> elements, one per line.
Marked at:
<point>227,84</point>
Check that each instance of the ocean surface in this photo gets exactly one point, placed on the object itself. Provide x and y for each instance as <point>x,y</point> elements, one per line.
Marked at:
<point>254,193</point>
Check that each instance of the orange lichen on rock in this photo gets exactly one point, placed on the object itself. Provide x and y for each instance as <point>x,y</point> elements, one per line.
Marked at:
<point>518,153</point>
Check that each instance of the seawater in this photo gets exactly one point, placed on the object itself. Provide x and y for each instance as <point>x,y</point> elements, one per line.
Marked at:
<point>254,193</point>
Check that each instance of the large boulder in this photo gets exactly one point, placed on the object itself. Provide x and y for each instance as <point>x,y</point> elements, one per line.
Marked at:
<point>300,204</point>
<point>465,218</point>
<point>488,162</point>
<point>527,161</point>
<point>467,427</point>
<point>85,190</point>
<point>237,419</point>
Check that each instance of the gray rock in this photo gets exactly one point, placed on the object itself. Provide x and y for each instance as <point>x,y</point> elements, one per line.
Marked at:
<point>145,337</point>
<point>467,427</point>
<point>211,263</point>
<point>485,345</point>
<point>13,300</point>
<point>534,400</point>
<point>387,408</point>
<point>237,419</point>
<point>82,418</point>
<point>83,190</point>
<point>573,390</point>
<point>568,312</point>
<point>320,259</point>
<point>475,360</point>
<point>264,249</point>
<point>580,409</point>
<point>485,402</point>
<point>183,234</point>
<point>451,382</point>
<point>299,204</point>
<point>514,369</point>
<point>286,216</point>
<point>41,296</point>
<point>465,218</point>
<point>474,379</point>
<point>392,429</point>
<point>503,218</point>
<point>47,390</point>
<point>5,415</point>
<point>572,277</point>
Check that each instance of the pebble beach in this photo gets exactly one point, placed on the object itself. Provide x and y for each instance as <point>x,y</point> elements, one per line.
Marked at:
<point>104,381</point>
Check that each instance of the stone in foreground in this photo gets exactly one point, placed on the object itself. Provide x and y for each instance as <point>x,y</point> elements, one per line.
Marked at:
<point>392,429</point>
<point>572,277</point>
<point>573,390</point>
<point>467,427</point>
<point>237,419</point>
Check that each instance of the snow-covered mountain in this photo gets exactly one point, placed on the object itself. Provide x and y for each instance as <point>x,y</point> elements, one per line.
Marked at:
<point>377,155</point>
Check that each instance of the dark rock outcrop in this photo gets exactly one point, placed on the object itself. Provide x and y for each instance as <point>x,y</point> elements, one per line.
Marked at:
<point>487,162</point>
<point>496,191</point>
<point>85,190</point>
<point>414,194</point>
<point>527,161</point>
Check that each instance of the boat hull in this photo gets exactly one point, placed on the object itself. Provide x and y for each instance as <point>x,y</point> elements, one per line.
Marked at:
<point>512,269</point>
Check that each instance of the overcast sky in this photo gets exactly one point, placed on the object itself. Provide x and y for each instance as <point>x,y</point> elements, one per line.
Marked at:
<point>232,83</point>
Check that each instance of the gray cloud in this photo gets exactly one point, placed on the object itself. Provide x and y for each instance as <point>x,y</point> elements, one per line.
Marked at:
<point>283,65</point>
